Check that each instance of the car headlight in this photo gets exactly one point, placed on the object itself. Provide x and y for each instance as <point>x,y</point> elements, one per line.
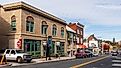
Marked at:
<point>24,56</point>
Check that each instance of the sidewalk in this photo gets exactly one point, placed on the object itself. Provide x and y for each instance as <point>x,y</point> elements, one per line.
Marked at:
<point>5,65</point>
<point>42,60</point>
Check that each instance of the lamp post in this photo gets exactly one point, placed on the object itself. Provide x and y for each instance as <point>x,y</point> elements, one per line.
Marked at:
<point>49,45</point>
<point>45,43</point>
<point>58,44</point>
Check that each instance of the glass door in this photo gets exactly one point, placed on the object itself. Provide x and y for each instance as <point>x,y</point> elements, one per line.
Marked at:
<point>37,51</point>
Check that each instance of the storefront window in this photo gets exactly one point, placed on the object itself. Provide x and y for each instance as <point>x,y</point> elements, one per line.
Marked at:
<point>62,47</point>
<point>32,47</point>
<point>27,47</point>
<point>53,47</point>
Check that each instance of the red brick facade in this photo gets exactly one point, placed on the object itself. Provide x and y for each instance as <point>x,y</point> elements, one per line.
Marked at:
<point>79,28</point>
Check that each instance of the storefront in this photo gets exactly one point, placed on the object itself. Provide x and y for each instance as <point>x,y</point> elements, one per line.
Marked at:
<point>59,49</point>
<point>62,48</point>
<point>33,47</point>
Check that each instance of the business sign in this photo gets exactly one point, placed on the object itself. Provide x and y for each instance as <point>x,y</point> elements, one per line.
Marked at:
<point>49,40</point>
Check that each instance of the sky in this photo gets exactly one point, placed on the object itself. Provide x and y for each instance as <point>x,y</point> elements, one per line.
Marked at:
<point>99,17</point>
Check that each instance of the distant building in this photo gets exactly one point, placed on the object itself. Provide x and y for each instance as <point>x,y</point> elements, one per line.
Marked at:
<point>93,41</point>
<point>94,44</point>
<point>79,28</point>
<point>71,41</point>
<point>114,40</point>
<point>119,42</point>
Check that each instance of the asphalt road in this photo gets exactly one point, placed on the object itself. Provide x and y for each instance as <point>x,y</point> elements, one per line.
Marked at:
<point>70,63</point>
<point>105,63</point>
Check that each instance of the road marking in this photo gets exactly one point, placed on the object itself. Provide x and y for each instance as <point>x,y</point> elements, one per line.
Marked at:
<point>80,65</point>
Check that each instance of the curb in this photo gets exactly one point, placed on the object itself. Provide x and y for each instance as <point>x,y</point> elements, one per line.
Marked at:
<point>43,62</point>
<point>6,65</point>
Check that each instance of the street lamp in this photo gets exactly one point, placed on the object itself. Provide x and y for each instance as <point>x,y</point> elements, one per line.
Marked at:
<point>58,45</point>
<point>45,45</point>
<point>44,27</point>
<point>49,45</point>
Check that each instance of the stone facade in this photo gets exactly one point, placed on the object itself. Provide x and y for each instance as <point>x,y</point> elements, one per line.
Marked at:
<point>32,42</point>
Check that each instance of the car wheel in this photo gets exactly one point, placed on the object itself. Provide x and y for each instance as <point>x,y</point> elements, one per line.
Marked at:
<point>19,60</point>
<point>28,61</point>
<point>76,57</point>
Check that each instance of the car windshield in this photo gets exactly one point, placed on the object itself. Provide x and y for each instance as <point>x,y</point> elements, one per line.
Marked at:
<point>20,51</point>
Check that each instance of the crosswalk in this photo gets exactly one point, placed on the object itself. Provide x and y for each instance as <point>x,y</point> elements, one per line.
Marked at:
<point>116,61</point>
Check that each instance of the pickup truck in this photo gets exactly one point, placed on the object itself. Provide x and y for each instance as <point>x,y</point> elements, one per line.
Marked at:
<point>17,55</point>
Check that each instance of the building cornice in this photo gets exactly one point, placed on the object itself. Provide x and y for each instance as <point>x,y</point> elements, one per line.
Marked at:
<point>27,7</point>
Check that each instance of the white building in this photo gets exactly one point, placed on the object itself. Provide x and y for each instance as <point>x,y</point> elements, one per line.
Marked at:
<point>93,41</point>
<point>71,41</point>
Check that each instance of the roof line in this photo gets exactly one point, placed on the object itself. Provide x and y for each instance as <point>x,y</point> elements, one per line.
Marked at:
<point>26,6</point>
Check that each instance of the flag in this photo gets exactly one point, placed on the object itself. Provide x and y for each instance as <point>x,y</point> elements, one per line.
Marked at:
<point>19,43</point>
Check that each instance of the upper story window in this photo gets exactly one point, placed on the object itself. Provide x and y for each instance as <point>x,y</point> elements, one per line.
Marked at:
<point>54,30</point>
<point>78,31</point>
<point>62,32</point>
<point>77,39</point>
<point>29,24</point>
<point>44,28</point>
<point>13,23</point>
<point>81,32</point>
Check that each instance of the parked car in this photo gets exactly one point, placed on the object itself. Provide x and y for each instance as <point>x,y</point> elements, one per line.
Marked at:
<point>81,54</point>
<point>17,55</point>
<point>95,54</point>
<point>114,53</point>
<point>119,51</point>
<point>89,53</point>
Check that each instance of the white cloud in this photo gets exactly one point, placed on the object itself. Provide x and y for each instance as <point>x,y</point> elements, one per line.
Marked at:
<point>87,9</point>
<point>99,12</point>
<point>103,12</point>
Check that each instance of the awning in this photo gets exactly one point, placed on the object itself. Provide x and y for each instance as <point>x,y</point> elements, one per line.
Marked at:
<point>82,46</point>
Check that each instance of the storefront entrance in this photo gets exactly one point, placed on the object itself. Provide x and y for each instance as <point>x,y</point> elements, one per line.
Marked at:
<point>32,47</point>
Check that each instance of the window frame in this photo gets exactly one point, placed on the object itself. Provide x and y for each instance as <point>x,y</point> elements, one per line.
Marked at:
<point>54,30</point>
<point>62,32</point>
<point>13,23</point>
<point>30,24</point>
<point>44,28</point>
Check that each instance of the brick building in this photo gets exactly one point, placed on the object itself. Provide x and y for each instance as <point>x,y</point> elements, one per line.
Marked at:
<point>79,28</point>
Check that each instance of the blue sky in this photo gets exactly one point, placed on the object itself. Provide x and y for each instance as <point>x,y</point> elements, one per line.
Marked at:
<point>100,17</point>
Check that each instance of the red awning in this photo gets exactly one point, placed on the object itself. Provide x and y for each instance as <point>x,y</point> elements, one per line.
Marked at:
<point>82,46</point>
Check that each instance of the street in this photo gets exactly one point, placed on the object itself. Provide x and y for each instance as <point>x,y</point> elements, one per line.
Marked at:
<point>105,63</point>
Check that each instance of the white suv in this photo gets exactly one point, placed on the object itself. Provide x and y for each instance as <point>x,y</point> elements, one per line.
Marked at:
<point>18,55</point>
